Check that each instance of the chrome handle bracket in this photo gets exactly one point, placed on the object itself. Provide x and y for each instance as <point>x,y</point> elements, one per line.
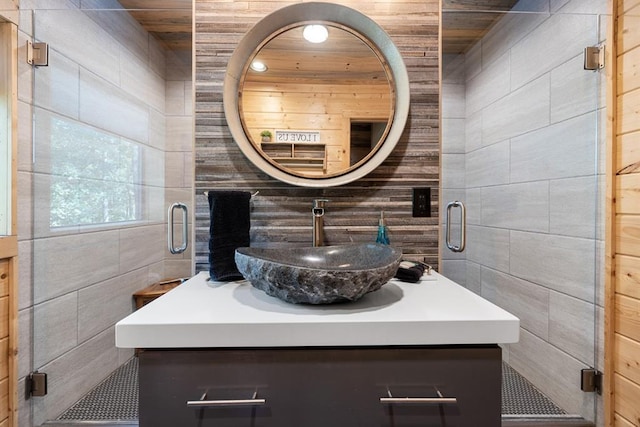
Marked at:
<point>185,229</point>
<point>463,231</point>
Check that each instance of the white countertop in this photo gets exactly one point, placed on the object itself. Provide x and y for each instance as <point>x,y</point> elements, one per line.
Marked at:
<point>204,314</point>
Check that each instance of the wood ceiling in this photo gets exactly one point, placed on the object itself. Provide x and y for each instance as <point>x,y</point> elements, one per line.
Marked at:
<point>169,21</point>
<point>463,22</point>
<point>342,59</point>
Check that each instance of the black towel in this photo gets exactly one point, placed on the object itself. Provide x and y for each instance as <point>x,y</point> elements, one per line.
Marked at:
<point>409,271</point>
<point>228,230</point>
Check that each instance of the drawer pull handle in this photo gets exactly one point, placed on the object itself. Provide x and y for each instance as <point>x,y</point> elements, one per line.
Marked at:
<point>221,403</point>
<point>418,400</point>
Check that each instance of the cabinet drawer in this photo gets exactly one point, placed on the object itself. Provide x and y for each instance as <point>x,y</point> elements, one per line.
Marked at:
<point>320,387</point>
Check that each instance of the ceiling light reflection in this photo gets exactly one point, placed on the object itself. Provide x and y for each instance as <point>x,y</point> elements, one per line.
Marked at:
<point>258,66</point>
<point>315,33</point>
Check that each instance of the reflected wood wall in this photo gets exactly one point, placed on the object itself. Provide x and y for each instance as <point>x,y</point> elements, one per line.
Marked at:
<point>281,213</point>
<point>326,108</point>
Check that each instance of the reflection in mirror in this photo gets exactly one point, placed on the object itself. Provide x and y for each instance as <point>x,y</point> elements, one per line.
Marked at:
<point>331,94</point>
<point>327,104</point>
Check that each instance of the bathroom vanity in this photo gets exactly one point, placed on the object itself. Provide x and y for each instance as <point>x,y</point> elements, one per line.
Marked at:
<point>227,354</point>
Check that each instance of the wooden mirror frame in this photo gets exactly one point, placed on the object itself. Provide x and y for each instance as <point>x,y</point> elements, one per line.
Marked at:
<point>319,12</point>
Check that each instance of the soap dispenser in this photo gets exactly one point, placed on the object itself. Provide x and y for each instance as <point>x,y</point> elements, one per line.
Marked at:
<point>382,238</point>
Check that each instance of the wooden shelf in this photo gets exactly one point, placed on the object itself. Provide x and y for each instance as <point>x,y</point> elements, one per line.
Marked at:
<point>302,155</point>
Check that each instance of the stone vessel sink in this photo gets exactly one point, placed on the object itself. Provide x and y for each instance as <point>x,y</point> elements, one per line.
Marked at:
<point>319,275</point>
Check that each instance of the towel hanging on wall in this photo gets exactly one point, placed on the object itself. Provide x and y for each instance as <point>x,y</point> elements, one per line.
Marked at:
<point>229,214</point>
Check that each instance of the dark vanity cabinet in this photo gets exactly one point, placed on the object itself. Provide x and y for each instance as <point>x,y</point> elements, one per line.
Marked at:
<point>321,387</point>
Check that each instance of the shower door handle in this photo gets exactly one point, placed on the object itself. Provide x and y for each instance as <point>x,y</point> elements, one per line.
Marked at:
<point>185,229</point>
<point>463,232</point>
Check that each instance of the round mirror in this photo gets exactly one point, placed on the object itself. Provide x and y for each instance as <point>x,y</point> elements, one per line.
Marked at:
<point>316,94</point>
<point>316,107</point>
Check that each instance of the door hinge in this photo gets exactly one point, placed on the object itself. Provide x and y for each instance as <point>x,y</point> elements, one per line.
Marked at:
<point>36,384</point>
<point>594,57</point>
<point>591,380</point>
<point>37,54</point>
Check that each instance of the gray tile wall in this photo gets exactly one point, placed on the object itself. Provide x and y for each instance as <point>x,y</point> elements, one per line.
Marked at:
<point>533,187</point>
<point>453,148</point>
<point>75,284</point>
<point>179,158</point>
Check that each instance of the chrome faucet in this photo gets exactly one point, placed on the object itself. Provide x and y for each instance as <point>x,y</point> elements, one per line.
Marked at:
<point>318,221</point>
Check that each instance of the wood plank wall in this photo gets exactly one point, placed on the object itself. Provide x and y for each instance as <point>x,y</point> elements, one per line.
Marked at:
<point>622,306</point>
<point>328,108</point>
<point>281,213</point>
<point>4,340</point>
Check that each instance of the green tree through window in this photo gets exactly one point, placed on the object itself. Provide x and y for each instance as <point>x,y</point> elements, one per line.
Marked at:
<point>95,176</point>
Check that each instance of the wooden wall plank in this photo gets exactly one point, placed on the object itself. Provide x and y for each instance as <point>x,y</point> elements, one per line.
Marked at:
<point>628,317</point>
<point>628,235</point>
<point>609,228</point>
<point>627,398</point>
<point>8,246</point>
<point>627,5</point>
<point>4,362</point>
<point>281,213</point>
<point>628,195</point>
<point>4,399</point>
<point>628,32</point>
<point>621,422</point>
<point>629,110</point>
<point>4,277</point>
<point>4,317</point>
<point>627,355</point>
<point>628,276</point>
<point>628,153</point>
<point>629,71</point>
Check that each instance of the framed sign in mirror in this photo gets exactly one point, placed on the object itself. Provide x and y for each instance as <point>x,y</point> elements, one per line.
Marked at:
<point>337,105</point>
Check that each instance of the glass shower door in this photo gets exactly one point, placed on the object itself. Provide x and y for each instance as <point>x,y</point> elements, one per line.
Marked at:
<point>111,152</point>
<point>522,135</point>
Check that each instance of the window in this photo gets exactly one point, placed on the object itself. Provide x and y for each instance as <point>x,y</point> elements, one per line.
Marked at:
<point>5,133</point>
<point>95,176</point>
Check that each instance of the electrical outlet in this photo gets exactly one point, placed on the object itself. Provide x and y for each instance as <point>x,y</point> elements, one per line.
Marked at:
<point>422,202</point>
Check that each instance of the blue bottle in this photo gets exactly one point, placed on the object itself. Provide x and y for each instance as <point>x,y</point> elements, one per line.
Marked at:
<point>382,238</point>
